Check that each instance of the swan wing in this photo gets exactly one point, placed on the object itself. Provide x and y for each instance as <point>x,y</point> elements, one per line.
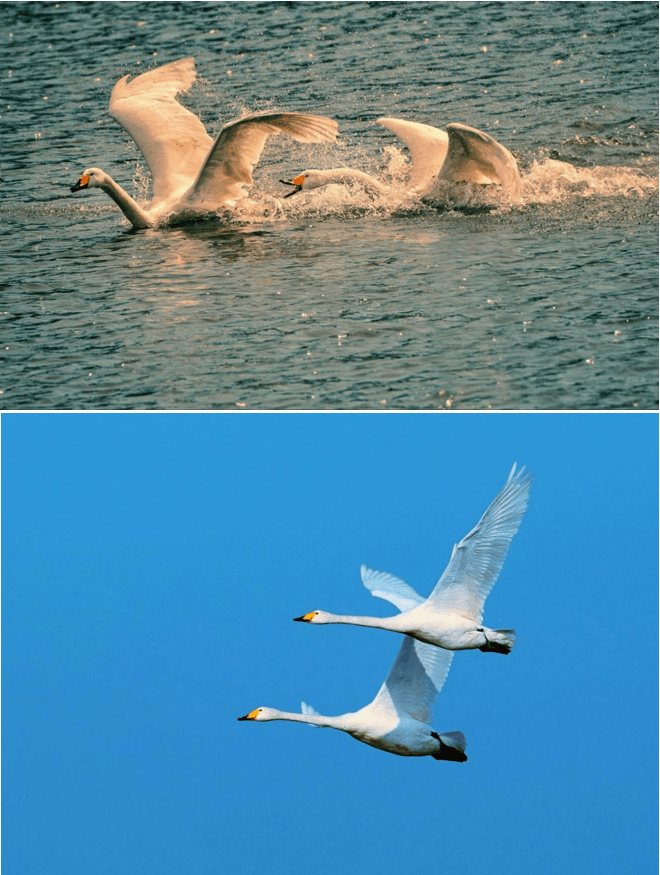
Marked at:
<point>387,586</point>
<point>238,147</point>
<point>173,141</point>
<point>415,679</point>
<point>474,156</point>
<point>427,146</point>
<point>307,709</point>
<point>477,560</point>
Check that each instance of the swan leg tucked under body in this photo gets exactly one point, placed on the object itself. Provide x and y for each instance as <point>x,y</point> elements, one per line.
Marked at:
<point>451,616</point>
<point>398,720</point>
<point>439,160</point>
<point>193,175</point>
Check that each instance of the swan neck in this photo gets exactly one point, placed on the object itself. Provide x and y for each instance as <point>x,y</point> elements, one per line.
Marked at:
<point>312,719</point>
<point>349,174</point>
<point>372,622</point>
<point>129,207</point>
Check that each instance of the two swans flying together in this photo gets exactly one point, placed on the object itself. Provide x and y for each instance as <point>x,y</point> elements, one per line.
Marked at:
<point>194,175</point>
<point>399,718</point>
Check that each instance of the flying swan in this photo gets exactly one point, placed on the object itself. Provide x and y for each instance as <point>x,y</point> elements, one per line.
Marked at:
<point>462,154</point>
<point>193,174</point>
<point>399,718</point>
<point>451,616</point>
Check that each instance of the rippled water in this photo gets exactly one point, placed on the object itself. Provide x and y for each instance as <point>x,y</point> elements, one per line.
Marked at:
<point>336,298</point>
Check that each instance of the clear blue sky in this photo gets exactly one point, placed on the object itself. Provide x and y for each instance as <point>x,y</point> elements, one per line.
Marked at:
<point>152,565</point>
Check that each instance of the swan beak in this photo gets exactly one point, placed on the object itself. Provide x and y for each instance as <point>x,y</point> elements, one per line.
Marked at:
<point>297,181</point>
<point>251,716</point>
<point>306,618</point>
<point>83,182</point>
<point>296,189</point>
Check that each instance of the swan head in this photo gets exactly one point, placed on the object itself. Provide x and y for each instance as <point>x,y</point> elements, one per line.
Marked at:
<point>318,617</point>
<point>261,714</point>
<point>90,178</point>
<point>307,180</point>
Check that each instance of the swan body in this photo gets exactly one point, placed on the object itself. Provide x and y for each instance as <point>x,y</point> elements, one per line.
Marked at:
<point>398,720</point>
<point>450,617</point>
<point>193,174</point>
<point>439,159</point>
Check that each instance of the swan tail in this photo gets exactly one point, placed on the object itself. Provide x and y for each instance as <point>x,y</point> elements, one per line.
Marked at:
<point>452,747</point>
<point>499,641</point>
<point>307,709</point>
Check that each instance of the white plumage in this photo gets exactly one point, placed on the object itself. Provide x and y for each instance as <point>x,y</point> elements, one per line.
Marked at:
<point>399,718</point>
<point>193,175</point>
<point>439,158</point>
<point>451,616</point>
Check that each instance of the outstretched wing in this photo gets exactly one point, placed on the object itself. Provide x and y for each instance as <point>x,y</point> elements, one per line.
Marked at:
<point>415,679</point>
<point>427,146</point>
<point>173,141</point>
<point>238,147</point>
<point>474,156</point>
<point>387,586</point>
<point>477,560</point>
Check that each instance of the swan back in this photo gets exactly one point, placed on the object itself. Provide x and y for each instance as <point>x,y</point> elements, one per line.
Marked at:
<point>172,139</point>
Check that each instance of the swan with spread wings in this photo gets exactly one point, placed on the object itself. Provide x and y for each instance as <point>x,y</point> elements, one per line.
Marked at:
<point>193,174</point>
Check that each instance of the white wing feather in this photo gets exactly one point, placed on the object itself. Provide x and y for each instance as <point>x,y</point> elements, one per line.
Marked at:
<point>474,156</point>
<point>238,147</point>
<point>427,146</point>
<point>172,139</point>
<point>477,560</point>
<point>415,679</point>
<point>392,589</point>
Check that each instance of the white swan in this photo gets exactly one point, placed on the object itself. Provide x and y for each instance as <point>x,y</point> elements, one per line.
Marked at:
<point>451,616</point>
<point>439,160</point>
<point>193,175</point>
<point>398,720</point>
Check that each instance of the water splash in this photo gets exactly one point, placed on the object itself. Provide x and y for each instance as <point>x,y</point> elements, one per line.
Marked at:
<point>552,181</point>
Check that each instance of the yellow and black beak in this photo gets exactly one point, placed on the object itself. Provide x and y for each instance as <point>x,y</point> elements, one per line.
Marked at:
<point>83,182</point>
<point>306,618</point>
<point>251,716</point>
<point>297,182</point>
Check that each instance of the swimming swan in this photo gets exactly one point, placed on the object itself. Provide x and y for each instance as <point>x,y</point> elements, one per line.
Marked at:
<point>398,720</point>
<point>192,174</point>
<point>451,616</point>
<point>462,154</point>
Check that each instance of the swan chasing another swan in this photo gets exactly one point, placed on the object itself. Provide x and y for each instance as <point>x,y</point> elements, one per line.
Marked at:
<point>399,718</point>
<point>439,160</point>
<point>193,175</point>
<point>451,616</point>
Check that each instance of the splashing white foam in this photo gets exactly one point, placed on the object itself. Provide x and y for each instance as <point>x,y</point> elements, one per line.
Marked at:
<point>552,181</point>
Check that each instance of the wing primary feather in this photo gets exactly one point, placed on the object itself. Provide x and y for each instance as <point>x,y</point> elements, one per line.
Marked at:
<point>477,560</point>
